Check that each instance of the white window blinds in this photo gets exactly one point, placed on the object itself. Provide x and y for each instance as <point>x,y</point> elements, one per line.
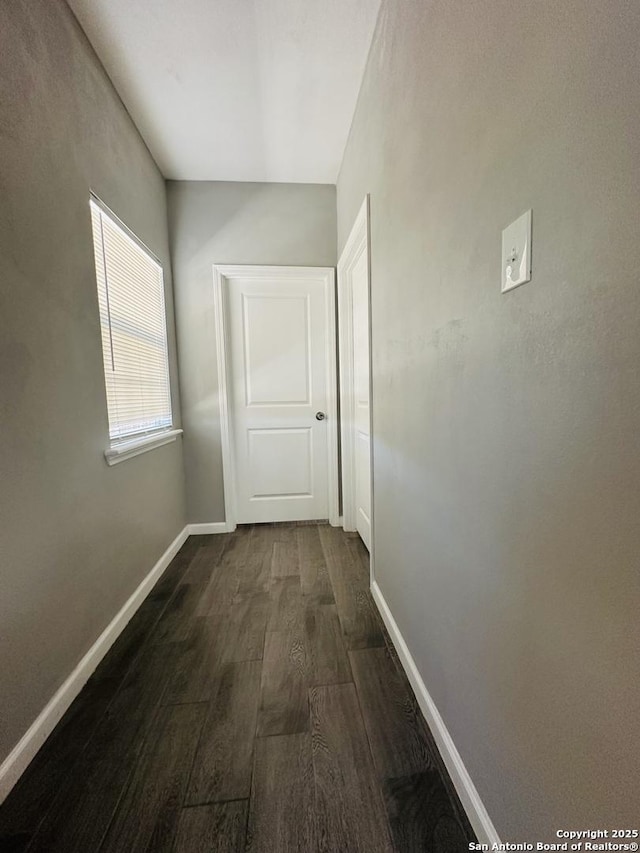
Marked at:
<point>134,332</point>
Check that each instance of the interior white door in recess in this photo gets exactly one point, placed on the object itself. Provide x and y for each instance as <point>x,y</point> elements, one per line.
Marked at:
<point>282,398</point>
<point>353,286</point>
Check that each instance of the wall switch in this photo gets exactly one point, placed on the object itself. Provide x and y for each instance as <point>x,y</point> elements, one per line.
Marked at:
<point>516,252</point>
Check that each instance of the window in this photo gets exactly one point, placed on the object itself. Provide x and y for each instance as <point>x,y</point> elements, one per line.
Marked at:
<point>134,333</point>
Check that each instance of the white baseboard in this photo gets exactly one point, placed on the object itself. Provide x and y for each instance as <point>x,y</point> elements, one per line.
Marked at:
<point>469,797</point>
<point>25,750</point>
<point>210,527</point>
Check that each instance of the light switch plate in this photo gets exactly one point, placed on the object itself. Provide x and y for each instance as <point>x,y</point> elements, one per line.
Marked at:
<point>516,253</point>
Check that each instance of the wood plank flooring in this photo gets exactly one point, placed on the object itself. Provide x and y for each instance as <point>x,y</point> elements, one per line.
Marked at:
<point>252,705</point>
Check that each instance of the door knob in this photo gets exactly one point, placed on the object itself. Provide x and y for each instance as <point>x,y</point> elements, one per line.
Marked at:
<point>320,416</point>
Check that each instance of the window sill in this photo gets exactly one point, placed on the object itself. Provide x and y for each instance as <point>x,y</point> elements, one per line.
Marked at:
<point>129,449</point>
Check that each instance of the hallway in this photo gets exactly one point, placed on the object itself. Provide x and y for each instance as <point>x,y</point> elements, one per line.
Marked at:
<point>252,703</point>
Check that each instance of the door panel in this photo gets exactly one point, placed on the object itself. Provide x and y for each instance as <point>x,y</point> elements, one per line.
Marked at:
<point>281,463</point>
<point>277,344</point>
<point>278,370</point>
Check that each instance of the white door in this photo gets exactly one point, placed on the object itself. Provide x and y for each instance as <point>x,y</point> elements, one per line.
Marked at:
<point>353,288</point>
<point>360,311</point>
<point>282,379</point>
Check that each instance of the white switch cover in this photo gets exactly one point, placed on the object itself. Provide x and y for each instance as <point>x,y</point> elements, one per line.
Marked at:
<point>516,252</point>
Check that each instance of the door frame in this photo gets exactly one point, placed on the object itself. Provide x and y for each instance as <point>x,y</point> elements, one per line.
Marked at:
<point>357,243</point>
<point>221,275</point>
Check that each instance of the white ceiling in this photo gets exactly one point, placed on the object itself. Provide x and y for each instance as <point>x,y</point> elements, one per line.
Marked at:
<point>236,90</point>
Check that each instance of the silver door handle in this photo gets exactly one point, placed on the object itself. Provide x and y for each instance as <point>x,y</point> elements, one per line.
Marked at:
<point>320,416</point>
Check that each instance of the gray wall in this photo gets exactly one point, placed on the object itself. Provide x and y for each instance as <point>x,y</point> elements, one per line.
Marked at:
<point>507,467</point>
<point>209,223</point>
<point>77,537</point>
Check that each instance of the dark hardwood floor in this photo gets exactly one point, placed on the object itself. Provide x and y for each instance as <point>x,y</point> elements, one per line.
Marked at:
<point>253,703</point>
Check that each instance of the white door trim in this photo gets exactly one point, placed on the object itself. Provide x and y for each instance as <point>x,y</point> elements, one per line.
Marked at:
<point>221,274</point>
<point>357,243</point>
